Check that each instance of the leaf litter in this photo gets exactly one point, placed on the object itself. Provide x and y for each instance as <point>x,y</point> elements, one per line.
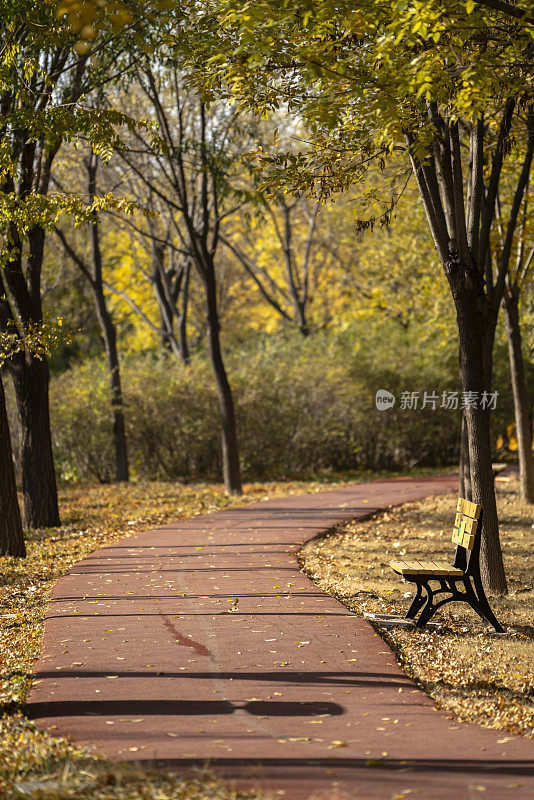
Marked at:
<point>35,763</point>
<point>468,671</point>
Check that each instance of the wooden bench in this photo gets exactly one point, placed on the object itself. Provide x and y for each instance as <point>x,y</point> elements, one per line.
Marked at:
<point>457,582</point>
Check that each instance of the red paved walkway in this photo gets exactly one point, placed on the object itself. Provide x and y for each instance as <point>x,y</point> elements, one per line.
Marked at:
<point>141,659</point>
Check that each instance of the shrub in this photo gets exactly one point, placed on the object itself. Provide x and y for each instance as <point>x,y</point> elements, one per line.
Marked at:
<point>302,407</point>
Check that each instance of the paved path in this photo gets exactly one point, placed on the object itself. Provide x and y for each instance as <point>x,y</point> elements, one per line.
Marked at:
<point>142,659</point>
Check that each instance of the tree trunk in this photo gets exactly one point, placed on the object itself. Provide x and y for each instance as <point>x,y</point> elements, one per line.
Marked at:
<point>461,231</point>
<point>521,402</point>
<point>465,472</point>
<point>109,336</point>
<point>230,450</point>
<point>11,536</point>
<point>472,374</point>
<point>182,319</point>
<point>165,309</point>
<point>302,322</point>
<point>488,345</point>
<point>110,345</point>
<point>39,492</point>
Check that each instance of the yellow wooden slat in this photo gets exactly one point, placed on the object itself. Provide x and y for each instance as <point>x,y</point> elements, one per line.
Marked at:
<point>431,568</point>
<point>470,525</point>
<point>405,567</point>
<point>426,565</point>
<point>441,566</point>
<point>465,532</point>
<point>399,563</point>
<point>468,541</point>
<point>447,569</point>
<point>469,509</point>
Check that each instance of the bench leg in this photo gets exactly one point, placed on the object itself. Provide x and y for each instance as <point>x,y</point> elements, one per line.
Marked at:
<point>428,609</point>
<point>426,614</point>
<point>479,603</point>
<point>476,598</point>
<point>416,604</point>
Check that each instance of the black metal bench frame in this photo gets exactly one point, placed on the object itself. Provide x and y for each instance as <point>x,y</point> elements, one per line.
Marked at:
<point>465,588</point>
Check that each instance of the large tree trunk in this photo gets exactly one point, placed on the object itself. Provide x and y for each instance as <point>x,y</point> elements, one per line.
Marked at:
<point>30,378</point>
<point>472,374</point>
<point>488,342</point>
<point>521,402</point>
<point>11,536</point>
<point>230,450</point>
<point>465,472</point>
<point>461,235</point>
<point>39,492</point>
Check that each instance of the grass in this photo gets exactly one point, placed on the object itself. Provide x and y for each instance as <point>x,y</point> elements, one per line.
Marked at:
<point>476,676</point>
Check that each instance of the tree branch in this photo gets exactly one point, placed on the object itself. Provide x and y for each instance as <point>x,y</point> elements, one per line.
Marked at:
<point>506,8</point>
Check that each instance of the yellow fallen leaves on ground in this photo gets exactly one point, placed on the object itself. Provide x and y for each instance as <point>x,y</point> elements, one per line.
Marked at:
<point>468,671</point>
<point>92,516</point>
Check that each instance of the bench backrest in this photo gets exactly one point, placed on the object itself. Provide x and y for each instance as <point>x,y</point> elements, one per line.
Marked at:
<point>466,523</point>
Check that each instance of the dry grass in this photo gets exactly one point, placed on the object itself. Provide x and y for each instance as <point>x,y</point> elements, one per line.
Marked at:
<point>469,672</point>
<point>37,765</point>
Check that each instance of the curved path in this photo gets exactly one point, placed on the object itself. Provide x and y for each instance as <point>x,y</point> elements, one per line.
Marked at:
<point>290,692</point>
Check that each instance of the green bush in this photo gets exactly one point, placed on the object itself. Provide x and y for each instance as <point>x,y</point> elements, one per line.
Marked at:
<point>302,406</point>
<point>82,424</point>
<point>171,421</point>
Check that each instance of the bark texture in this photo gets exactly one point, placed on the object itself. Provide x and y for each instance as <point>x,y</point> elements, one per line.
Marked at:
<point>39,492</point>
<point>521,400</point>
<point>473,379</point>
<point>171,289</point>
<point>109,335</point>
<point>230,449</point>
<point>11,536</point>
<point>465,472</point>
